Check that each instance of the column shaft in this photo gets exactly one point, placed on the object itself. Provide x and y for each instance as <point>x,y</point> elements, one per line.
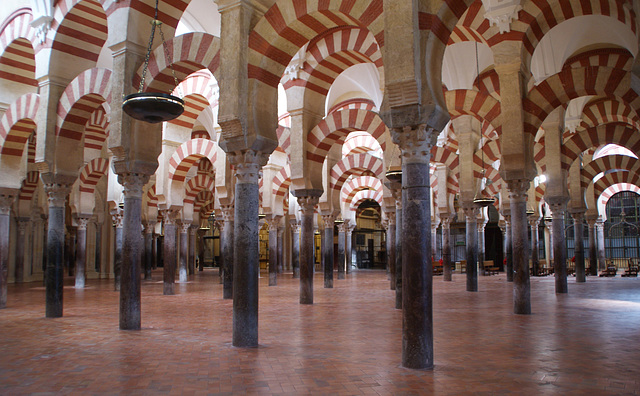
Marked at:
<point>148,249</point>
<point>593,250</point>
<point>341,250</point>
<point>508,236</point>
<point>273,255</point>
<point>348,248</point>
<point>519,225</point>
<point>169,255</point>
<point>280,250</point>
<point>578,235</point>
<point>601,247</point>
<point>4,256</point>
<point>295,247</point>
<point>191,258</point>
<point>81,255</point>
<point>57,194</point>
<point>227,251</point>
<point>117,255</point>
<point>21,238</point>
<point>307,204</point>
<point>327,251</point>
<point>559,248</point>
<point>535,261</point>
<point>184,251</point>
<point>446,248</point>
<point>391,256</point>
<point>471,250</point>
<point>399,254</point>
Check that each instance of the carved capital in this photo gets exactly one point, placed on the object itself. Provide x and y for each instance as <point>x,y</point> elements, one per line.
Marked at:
<point>57,194</point>
<point>168,216</point>
<point>193,229</point>
<point>149,227</point>
<point>117,218</point>
<point>23,223</point>
<point>6,201</point>
<point>518,189</point>
<point>600,225</point>
<point>415,142</point>
<point>308,203</point>
<point>132,184</point>
<point>82,223</point>
<point>391,216</point>
<point>471,213</point>
<point>342,227</point>
<point>219,224</point>
<point>227,212</point>
<point>328,220</point>
<point>534,223</point>
<point>273,222</point>
<point>248,164</point>
<point>558,209</point>
<point>184,227</point>
<point>446,222</point>
<point>578,216</point>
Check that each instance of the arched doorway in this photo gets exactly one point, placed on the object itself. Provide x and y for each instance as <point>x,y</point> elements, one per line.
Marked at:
<point>369,238</point>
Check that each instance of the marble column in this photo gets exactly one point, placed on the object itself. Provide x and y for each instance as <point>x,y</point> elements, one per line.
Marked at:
<point>295,248</point>
<point>508,238</point>
<point>21,237</point>
<point>434,239</point>
<point>481,248</point>
<point>593,250</point>
<point>226,250</point>
<point>535,260</point>
<point>130,291</point>
<point>548,225</point>
<point>200,236</point>
<point>558,206</point>
<point>520,244</point>
<point>417,295</point>
<point>245,246</point>
<point>273,250</point>
<point>148,249</point>
<point>391,253</point>
<point>307,199</point>
<point>98,256</point>
<point>6,201</point>
<point>578,238</point>
<point>601,247</point>
<point>399,252</point>
<point>56,194</point>
<point>342,229</point>
<point>117,215</point>
<point>81,253</point>
<point>280,250</point>
<point>192,249</point>
<point>154,248</point>
<point>169,252</point>
<point>471,215</point>
<point>184,251</point>
<point>327,250</point>
<point>446,247</point>
<point>348,246</point>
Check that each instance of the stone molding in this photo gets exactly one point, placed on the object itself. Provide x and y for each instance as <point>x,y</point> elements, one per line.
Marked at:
<point>308,203</point>
<point>56,194</point>
<point>518,189</point>
<point>133,184</point>
<point>82,223</point>
<point>415,142</point>
<point>247,165</point>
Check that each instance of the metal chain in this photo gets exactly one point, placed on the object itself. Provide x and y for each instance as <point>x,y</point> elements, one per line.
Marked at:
<point>166,54</point>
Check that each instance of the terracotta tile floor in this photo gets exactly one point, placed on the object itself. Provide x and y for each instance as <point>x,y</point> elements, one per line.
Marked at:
<point>348,342</point>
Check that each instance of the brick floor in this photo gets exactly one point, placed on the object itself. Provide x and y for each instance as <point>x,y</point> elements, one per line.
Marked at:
<point>347,343</point>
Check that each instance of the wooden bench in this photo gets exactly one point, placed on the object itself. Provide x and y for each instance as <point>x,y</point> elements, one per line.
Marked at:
<point>632,271</point>
<point>438,269</point>
<point>610,271</point>
<point>491,270</point>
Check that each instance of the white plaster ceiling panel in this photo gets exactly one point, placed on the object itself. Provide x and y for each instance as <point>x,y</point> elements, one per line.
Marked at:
<point>362,78</point>
<point>200,16</point>
<point>459,69</point>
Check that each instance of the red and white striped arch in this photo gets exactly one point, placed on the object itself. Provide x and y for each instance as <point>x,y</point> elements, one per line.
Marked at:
<point>188,154</point>
<point>445,156</point>
<point>493,188</point>
<point>29,185</point>
<point>488,83</point>
<point>361,142</point>
<point>365,195</point>
<point>200,132</point>
<point>84,95</point>
<point>91,174</point>
<point>491,150</point>
<point>79,29</point>
<point>188,53</point>
<point>618,58</point>
<point>284,138</point>
<point>357,165</point>
<point>95,131</point>
<point>353,104</point>
<point>620,134</point>
<point>605,164</point>
<point>608,110</point>
<point>197,184</point>
<point>539,153</point>
<point>357,184</point>
<point>17,55</point>
<point>333,52</point>
<point>169,12</point>
<point>282,181</point>
<point>197,95</point>
<point>17,124</point>
<point>570,83</point>
<point>290,24</point>
<point>482,106</point>
<point>610,179</point>
<point>611,191</point>
<point>152,198</point>
<point>203,198</point>
<point>334,128</point>
<point>207,209</point>
<point>205,167</point>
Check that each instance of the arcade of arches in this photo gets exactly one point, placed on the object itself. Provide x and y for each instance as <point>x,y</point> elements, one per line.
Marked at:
<point>319,136</point>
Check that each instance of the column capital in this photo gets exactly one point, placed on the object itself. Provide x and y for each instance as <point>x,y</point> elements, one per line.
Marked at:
<point>471,212</point>
<point>446,222</point>
<point>518,189</point>
<point>82,223</point>
<point>342,227</point>
<point>415,142</point>
<point>184,227</point>
<point>391,216</point>
<point>227,212</point>
<point>6,201</point>
<point>578,215</point>
<point>219,223</point>
<point>329,220</point>
<point>149,227</point>
<point>168,216</point>
<point>57,194</point>
<point>600,224</point>
<point>591,220</point>
<point>193,229</point>
<point>23,223</point>
<point>273,223</point>
<point>481,226</point>
<point>558,206</point>
<point>308,202</point>
<point>117,218</point>
<point>133,183</point>
<point>534,222</point>
<point>247,164</point>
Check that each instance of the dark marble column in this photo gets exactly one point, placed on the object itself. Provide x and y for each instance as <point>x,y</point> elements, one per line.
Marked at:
<point>117,217</point>
<point>169,252</point>
<point>295,248</point>
<point>417,295</point>
<point>446,247</point>
<point>593,249</point>
<point>307,199</point>
<point>273,250</point>
<point>520,245</point>
<point>342,228</point>
<point>148,248</point>
<point>6,201</point>
<point>57,194</point>
<point>200,242</point>
<point>558,206</point>
<point>184,250</point>
<point>154,249</point>
<point>348,245</point>
<point>226,251</point>
<point>280,250</point>
<point>192,249</point>
<point>391,249</point>
<point>130,291</point>
<point>98,257</point>
<point>327,250</point>
<point>481,225</point>
<point>81,253</point>
<point>578,235</point>
<point>508,238</point>
<point>245,247</point>
<point>471,214</point>
<point>535,260</point>
<point>399,252</point>
<point>23,224</point>
<point>601,247</point>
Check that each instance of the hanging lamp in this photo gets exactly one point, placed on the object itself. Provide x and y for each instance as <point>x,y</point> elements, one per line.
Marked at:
<point>480,199</point>
<point>394,176</point>
<point>153,107</point>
